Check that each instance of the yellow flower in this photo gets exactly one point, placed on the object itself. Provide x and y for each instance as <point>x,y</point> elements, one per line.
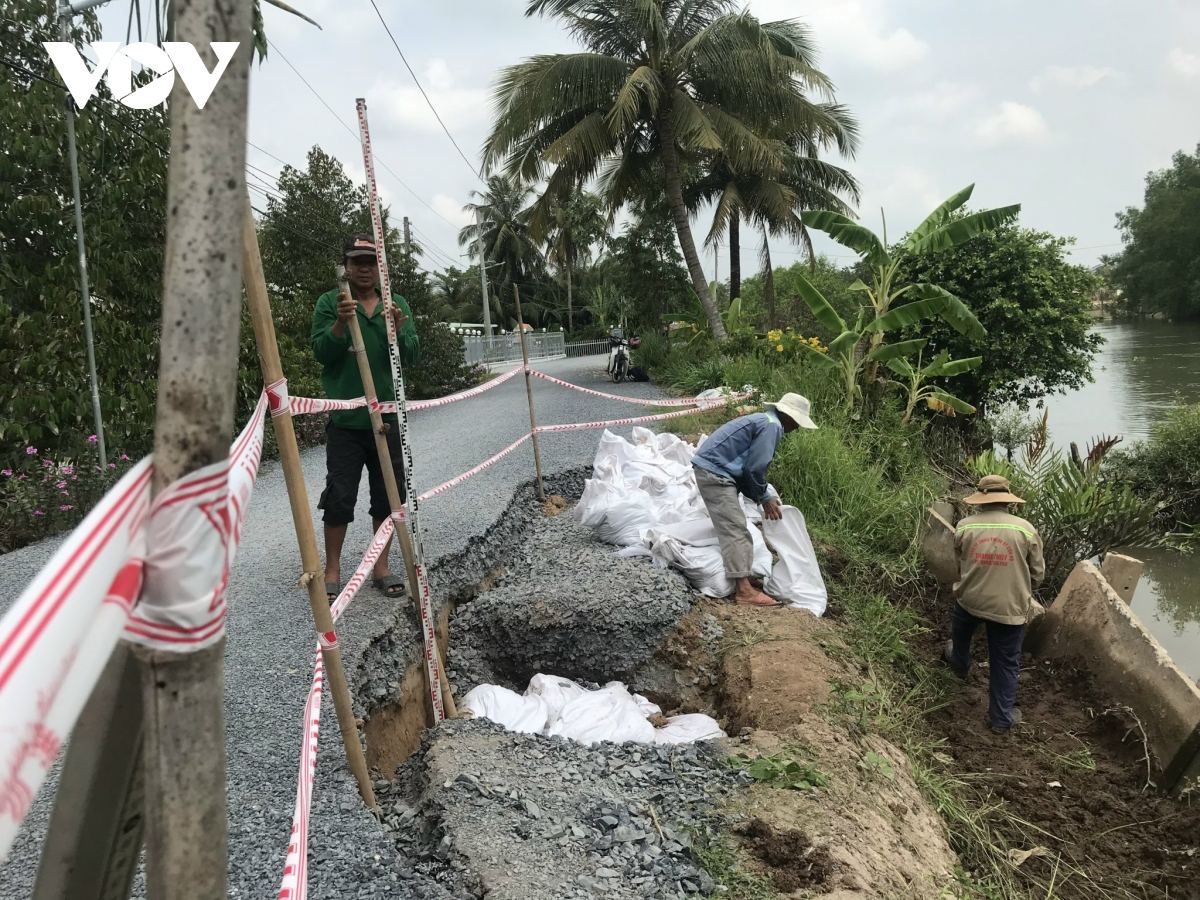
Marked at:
<point>779,348</point>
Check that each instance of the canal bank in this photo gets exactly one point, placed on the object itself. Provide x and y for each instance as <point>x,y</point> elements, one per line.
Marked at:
<point>1142,370</point>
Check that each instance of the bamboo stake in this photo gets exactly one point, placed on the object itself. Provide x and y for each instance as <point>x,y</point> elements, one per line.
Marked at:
<point>293,474</point>
<point>389,480</point>
<point>183,693</point>
<point>537,453</point>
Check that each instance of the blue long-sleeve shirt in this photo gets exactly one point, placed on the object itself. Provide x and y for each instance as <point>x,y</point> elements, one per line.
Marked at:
<point>741,451</point>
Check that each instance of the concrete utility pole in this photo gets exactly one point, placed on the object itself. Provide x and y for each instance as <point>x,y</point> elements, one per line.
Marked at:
<point>487,311</point>
<point>407,239</point>
<point>66,11</point>
<point>183,693</point>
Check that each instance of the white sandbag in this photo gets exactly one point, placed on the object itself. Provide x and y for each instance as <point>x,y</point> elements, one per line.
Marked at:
<point>528,715</point>
<point>609,714</point>
<point>688,729</point>
<point>555,692</point>
<point>692,547</point>
<point>627,520</point>
<point>796,578</point>
<point>597,497</point>
<point>675,449</point>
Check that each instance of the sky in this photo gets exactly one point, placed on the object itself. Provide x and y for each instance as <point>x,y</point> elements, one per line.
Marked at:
<point>1063,106</point>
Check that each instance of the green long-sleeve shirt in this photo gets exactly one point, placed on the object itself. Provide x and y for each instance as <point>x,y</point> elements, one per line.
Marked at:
<point>340,376</point>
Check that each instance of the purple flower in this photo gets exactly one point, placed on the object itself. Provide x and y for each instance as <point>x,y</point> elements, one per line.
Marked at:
<point>92,439</point>
<point>31,451</point>
<point>7,473</point>
<point>47,464</point>
<point>68,470</point>
<point>65,493</point>
<point>61,485</point>
<point>38,512</point>
<point>112,465</point>
<point>124,457</point>
<point>22,477</point>
<point>65,508</point>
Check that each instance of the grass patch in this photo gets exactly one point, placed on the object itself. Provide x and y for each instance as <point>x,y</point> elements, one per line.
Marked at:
<point>781,770</point>
<point>723,862</point>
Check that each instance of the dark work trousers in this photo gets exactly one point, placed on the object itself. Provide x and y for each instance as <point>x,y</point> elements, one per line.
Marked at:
<point>347,452</point>
<point>1004,660</point>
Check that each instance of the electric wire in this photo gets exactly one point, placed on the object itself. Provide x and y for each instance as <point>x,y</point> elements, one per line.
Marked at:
<point>420,88</point>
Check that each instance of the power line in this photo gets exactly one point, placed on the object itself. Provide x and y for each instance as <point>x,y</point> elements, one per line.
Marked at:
<point>356,136</point>
<point>417,81</point>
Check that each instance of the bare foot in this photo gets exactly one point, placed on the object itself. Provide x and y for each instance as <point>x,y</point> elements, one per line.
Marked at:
<point>757,599</point>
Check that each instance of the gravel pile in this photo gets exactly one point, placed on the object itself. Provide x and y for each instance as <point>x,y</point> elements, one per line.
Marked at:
<point>482,810</point>
<point>567,606</point>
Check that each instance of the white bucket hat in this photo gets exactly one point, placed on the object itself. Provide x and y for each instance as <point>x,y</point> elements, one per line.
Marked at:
<point>795,408</point>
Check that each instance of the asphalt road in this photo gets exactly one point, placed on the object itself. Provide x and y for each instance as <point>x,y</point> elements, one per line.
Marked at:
<point>271,640</point>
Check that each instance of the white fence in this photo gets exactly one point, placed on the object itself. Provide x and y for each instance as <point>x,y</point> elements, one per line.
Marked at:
<point>500,349</point>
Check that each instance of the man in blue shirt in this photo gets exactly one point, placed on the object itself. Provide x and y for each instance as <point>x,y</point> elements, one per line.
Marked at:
<point>735,460</point>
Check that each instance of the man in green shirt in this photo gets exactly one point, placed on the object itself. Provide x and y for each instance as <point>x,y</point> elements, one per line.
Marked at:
<point>349,441</point>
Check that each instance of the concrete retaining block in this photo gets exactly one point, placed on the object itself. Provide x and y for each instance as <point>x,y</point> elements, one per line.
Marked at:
<point>1122,573</point>
<point>1089,620</point>
<point>937,544</point>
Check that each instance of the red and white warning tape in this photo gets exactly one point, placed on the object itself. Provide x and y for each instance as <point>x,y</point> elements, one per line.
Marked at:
<point>173,554</point>
<point>295,868</point>
<point>636,420</point>
<point>640,401</point>
<point>307,405</point>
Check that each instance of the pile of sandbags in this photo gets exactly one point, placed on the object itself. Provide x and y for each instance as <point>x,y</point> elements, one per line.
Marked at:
<point>642,497</point>
<point>556,706</point>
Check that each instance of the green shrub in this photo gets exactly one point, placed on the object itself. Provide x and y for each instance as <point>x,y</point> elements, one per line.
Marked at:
<point>1166,468</point>
<point>653,352</point>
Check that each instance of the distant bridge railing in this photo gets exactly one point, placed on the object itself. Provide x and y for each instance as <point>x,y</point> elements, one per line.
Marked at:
<point>502,349</point>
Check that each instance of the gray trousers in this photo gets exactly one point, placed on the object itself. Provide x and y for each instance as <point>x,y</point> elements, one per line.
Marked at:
<point>720,496</point>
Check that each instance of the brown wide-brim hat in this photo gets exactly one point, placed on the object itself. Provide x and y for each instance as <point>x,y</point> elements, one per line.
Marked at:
<point>993,489</point>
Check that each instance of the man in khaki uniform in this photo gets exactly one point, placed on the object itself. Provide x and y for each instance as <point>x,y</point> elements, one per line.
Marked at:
<point>999,564</point>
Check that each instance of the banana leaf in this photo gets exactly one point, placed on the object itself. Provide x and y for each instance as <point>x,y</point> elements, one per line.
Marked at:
<point>953,367</point>
<point>961,230</point>
<point>825,314</point>
<point>843,343</point>
<point>908,314</point>
<point>892,351</point>
<point>848,233</point>
<point>938,217</point>
<point>955,312</point>
<point>953,402</point>
<point>821,358</point>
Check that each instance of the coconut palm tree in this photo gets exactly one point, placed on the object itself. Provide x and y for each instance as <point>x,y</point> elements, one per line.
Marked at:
<point>502,224</point>
<point>773,199</point>
<point>576,225</point>
<point>659,82</point>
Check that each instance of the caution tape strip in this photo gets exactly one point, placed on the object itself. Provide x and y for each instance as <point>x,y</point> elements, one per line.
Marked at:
<point>171,558</point>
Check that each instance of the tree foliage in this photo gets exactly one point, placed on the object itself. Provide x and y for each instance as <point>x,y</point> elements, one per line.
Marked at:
<point>659,82</point>
<point>45,397</point>
<point>1033,303</point>
<point>1159,269</point>
<point>644,267</point>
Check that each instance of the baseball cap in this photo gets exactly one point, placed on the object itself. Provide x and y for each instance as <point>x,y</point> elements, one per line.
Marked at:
<point>359,245</point>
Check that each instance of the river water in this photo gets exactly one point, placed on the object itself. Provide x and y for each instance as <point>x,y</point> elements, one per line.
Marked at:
<point>1140,372</point>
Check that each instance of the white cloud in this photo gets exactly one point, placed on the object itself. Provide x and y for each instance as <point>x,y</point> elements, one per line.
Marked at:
<point>458,106</point>
<point>1183,63</point>
<point>850,28</point>
<point>1071,77</point>
<point>941,102</point>
<point>908,195</point>
<point>1013,123</point>
<point>451,209</point>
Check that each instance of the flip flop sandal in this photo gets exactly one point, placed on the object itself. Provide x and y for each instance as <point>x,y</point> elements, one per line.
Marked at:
<point>391,585</point>
<point>759,600</point>
<point>332,590</point>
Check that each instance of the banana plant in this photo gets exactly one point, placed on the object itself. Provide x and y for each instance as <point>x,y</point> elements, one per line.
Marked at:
<point>941,230</point>
<point>915,379</point>
<point>856,348</point>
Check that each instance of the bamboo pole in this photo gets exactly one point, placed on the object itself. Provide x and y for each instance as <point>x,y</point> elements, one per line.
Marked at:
<point>389,481</point>
<point>537,453</point>
<point>293,475</point>
<point>183,693</point>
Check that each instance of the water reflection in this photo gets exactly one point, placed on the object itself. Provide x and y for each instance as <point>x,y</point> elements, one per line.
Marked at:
<point>1141,371</point>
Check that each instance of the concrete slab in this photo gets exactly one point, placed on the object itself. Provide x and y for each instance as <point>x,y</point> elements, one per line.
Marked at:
<point>1089,620</point>
<point>1122,573</point>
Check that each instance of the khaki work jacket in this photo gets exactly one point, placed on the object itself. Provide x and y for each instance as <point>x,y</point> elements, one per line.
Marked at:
<point>999,564</point>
